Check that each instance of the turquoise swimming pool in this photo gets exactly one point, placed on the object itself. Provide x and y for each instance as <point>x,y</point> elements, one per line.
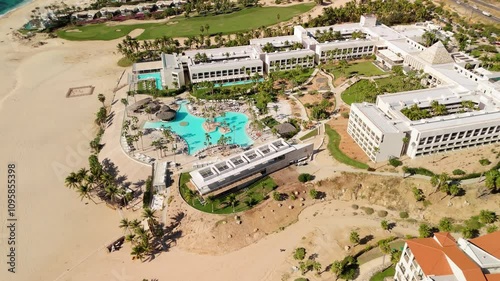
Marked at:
<point>194,134</point>
<point>153,75</point>
<point>235,83</point>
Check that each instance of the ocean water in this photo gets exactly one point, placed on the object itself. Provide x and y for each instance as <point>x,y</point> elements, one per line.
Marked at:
<point>7,5</point>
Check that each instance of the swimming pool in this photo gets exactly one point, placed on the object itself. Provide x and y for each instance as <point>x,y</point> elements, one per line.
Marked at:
<point>154,75</point>
<point>235,83</point>
<point>194,134</point>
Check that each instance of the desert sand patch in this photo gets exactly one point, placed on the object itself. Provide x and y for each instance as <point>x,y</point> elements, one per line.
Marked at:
<point>136,32</point>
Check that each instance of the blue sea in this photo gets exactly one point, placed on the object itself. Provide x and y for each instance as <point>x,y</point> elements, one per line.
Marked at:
<point>7,5</point>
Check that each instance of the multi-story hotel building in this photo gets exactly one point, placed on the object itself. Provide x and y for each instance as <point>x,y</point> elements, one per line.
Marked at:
<point>469,98</point>
<point>442,258</point>
<point>382,129</point>
<point>304,48</point>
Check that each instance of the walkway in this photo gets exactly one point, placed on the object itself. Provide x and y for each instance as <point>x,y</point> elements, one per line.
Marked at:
<point>367,270</point>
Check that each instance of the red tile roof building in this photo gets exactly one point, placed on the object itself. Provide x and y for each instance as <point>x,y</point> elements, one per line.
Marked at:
<point>442,258</point>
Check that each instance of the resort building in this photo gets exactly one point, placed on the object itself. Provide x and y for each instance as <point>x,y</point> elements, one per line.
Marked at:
<point>244,168</point>
<point>442,258</point>
<point>460,110</point>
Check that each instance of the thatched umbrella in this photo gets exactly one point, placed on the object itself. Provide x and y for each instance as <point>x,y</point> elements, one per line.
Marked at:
<point>166,115</point>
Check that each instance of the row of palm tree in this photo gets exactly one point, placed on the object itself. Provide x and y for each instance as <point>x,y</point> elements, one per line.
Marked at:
<point>389,12</point>
<point>147,50</point>
<point>143,242</point>
<point>96,182</point>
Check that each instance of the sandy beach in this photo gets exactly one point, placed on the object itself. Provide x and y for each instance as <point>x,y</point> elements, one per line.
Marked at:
<point>58,237</point>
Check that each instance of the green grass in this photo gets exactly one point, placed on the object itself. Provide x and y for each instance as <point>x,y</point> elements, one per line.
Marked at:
<point>294,74</point>
<point>270,121</point>
<point>244,20</point>
<point>389,272</point>
<point>125,62</point>
<point>258,191</point>
<point>358,92</point>
<point>309,135</point>
<point>333,147</point>
<point>365,68</point>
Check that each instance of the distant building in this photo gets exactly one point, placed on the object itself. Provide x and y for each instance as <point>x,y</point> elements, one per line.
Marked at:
<point>442,258</point>
<point>241,169</point>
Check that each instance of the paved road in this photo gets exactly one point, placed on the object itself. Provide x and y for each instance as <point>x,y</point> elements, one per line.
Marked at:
<point>468,6</point>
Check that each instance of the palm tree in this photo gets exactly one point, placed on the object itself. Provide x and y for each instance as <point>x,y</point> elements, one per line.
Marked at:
<point>85,192</point>
<point>101,98</point>
<point>211,200</point>
<point>112,191</point>
<point>231,200</point>
<point>149,214</point>
<point>354,237</point>
<point>208,138</point>
<point>125,224</point>
<point>72,180</point>
<point>140,134</point>
<point>384,224</point>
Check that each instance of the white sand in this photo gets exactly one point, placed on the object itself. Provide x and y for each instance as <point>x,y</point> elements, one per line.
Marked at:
<point>59,237</point>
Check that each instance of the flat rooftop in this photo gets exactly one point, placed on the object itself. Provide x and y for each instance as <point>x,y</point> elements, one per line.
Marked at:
<point>377,117</point>
<point>237,164</point>
<point>275,41</point>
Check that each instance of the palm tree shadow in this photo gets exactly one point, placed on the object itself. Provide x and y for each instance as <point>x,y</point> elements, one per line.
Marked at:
<point>366,239</point>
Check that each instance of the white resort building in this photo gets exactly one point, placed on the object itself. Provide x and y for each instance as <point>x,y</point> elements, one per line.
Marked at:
<point>244,168</point>
<point>467,96</point>
<point>305,48</point>
<point>442,258</point>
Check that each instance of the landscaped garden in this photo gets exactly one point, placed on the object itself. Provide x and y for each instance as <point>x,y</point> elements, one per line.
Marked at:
<point>367,91</point>
<point>333,147</point>
<point>360,68</point>
<point>228,203</point>
<point>246,19</point>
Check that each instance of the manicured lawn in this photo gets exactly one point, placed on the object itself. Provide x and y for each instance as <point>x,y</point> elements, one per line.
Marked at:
<point>386,273</point>
<point>294,74</point>
<point>333,147</point>
<point>257,192</point>
<point>244,20</point>
<point>366,91</point>
<point>310,134</point>
<point>125,62</point>
<point>360,91</point>
<point>365,68</point>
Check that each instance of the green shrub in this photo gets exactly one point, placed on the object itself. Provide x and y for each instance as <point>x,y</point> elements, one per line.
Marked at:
<point>484,162</point>
<point>313,193</point>
<point>345,114</point>
<point>395,162</point>
<point>354,206</point>
<point>458,172</point>
<point>368,210</point>
<point>299,253</point>
<point>404,215</point>
<point>382,213</point>
<point>424,230</point>
<point>305,177</point>
<point>446,224</point>
<point>491,228</point>
<point>277,196</point>
<point>301,279</point>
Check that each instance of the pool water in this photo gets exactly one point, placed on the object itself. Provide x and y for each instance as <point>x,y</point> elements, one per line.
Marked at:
<point>194,134</point>
<point>244,82</point>
<point>154,75</point>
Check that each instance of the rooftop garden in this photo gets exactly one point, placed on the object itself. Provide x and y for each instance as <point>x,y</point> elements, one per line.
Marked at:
<point>331,35</point>
<point>237,201</point>
<point>270,48</point>
<point>415,112</point>
<point>367,91</point>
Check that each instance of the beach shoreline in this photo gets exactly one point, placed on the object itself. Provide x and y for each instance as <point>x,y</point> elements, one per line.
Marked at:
<point>17,6</point>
